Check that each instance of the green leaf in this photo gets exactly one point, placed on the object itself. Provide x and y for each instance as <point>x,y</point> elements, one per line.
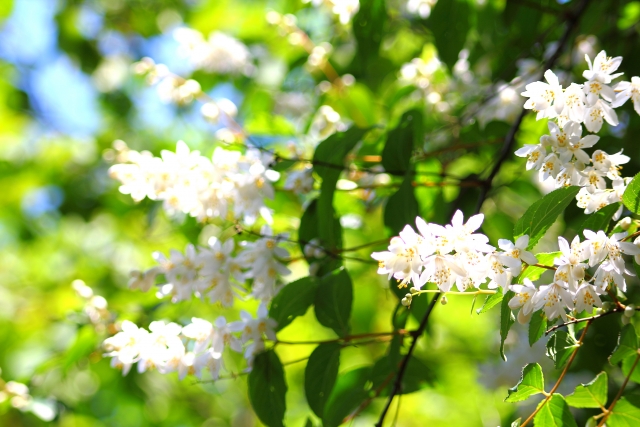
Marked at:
<point>627,364</point>
<point>309,230</point>
<point>591,395</point>
<point>542,214</point>
<point>626,413</point>
<point>396,154</point>
<point>531,382</point>
<point>293,300</point>
<point>532,272</point>
<point>631,196</point>
<point>450,22</point>
<point>367,28</point>
<point>491,301</point>
<point>560,346</point>
<point>627,344</point>
<point>320,375</point>
<point>417,375</point>
<point>268,388</point>
<point>329,162</point>
<point>554,413</point>
<point>349,392</point>
<point>506,321</point>
<point>537,326</point>
<point>333,301</point>
<point>600,219</point>
<point>402,207</point>
<point>84,344</point>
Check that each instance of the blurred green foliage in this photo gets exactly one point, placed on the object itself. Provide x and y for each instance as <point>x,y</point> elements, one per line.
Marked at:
<point>91,232</point>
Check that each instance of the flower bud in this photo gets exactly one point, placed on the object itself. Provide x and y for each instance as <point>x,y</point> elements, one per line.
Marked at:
<point>625,223</point>
<point>625,320</point>
<point>606,306</point>
<point>444,300</point>
<point>629,310</point>
<point>406,301</point>
<point>591,422</point>
<point>414,290</point>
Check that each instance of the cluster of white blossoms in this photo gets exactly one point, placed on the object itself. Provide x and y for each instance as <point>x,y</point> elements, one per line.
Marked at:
<point>572,288</point>
<point>452,254</point>
<point>168,347</point>
<point>561,155</point>
<point>219,54</point>
<point>230,185</point>
<point>19,397</point>
<point>214,273</point>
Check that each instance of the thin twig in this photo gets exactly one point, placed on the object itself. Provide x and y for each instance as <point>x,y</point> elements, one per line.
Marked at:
<point>397,385</point>
<point>560,378</point>
<point>615,400</point>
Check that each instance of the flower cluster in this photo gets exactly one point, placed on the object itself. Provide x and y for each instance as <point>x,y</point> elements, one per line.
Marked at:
<point>230,185</point>
<point>561,155</point>
<point>452,254</point>
<point>213,272</point>
<point>572,288</point>
<point>168,347</point>
<point>219,54</point>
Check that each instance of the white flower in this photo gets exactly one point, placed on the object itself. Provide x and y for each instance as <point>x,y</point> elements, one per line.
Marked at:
<point>594,114</point>
<point>628,90</point>
<point>576,149</point>
<point>402,260</point>
<point>553,299</point>
<point>607,274</point>
<point>201,331</point>
<point>550,167</point>
<point>516,252</point>
<point>602,68</point>
<point>224,337</point>
<point>574,99</point>
<point>594,90</point>
<point>599,246</point>
<point>125,346</point>
<point>570,266</point>
<point>545,98</point>
<point>524,298</point>
<point>300,181</point>
<point>586,298</point>
<point>535,154</point>
<point>442,270</point>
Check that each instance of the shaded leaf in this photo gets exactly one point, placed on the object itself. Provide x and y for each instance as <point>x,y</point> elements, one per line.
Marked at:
<point>450,22</point>
<point>320,375</point>
<point>554,413</point>
<point>631,196</point>
<point>333,300</point>
<point>402,207</point>
<point>537,326</point>
<point>506,321</point>
<point>591,395</point>
<point>293,300</point>
<point>627,344</point>
<point>542,214</point>
<point>348,393</point>
<point>560,346</point>
<point>491,301</point>
<point>268,389</point>
<point>626,413</point>
<point>600,219</point>
<point>531,382</point>
<point>396,154</point>
<point>417,375</point>
<point>532,272</point>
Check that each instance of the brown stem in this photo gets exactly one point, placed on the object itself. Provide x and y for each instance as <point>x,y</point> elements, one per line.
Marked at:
<point>615,400</point>
<point>560,378</point>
